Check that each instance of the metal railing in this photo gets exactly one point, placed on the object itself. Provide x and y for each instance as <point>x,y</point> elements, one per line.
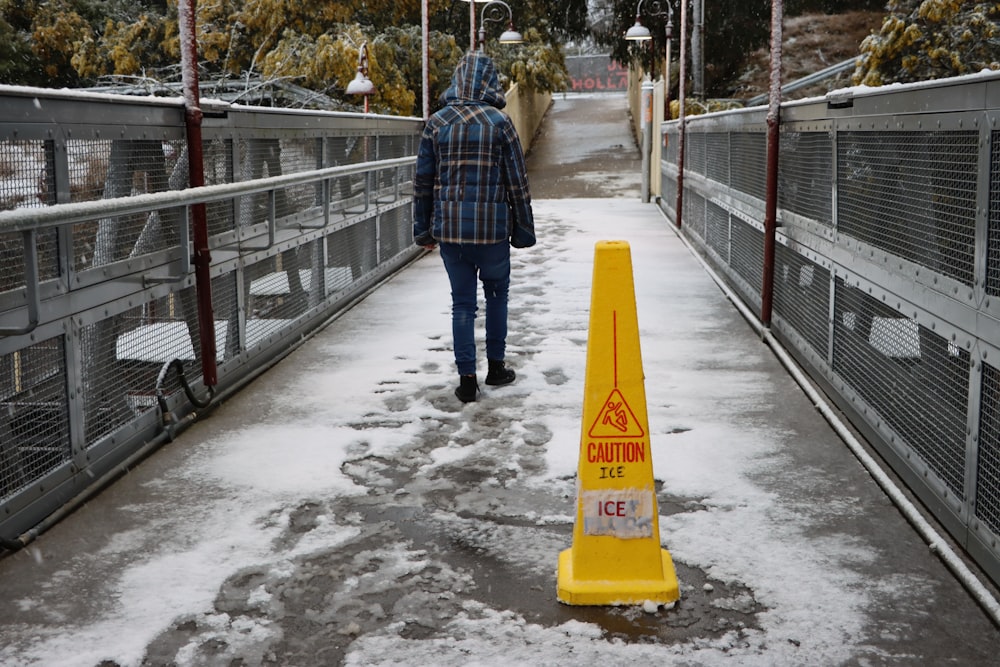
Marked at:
<point>99,331</point>
<point>886,273</point>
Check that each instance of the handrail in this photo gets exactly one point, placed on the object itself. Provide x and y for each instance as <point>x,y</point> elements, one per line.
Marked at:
<point>30,285</point>
<point>807,80</point>
<point>63,214</point>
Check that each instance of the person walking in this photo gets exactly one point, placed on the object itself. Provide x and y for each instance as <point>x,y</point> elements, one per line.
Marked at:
<point>471,199</point>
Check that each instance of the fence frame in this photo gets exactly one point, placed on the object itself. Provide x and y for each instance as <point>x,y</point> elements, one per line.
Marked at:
<point>888,202</point>
<point>310,212</point>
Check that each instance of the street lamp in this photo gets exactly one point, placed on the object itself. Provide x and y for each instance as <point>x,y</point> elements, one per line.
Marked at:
<point>497,9</point>
<point>362,85</point>
<point>640,33</point>
<point>472,23</point>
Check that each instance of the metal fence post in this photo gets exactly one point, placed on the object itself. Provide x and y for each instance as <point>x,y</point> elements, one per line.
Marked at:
<point>646,125</point>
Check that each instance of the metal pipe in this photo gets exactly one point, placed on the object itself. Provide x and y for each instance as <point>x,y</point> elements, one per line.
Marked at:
<point>472,25</point>
<point>773,135</point>
<point>698,50</point>
<point>425,75</point>
<point>64,214</point>
<point>815,77</point>
<point>646,125</point>
<point>666,69</point>
<point>681,101</point>
<point>196,170</point>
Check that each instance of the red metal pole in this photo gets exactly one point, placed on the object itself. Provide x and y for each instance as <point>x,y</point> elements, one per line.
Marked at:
<point>681,102</point>
<point>196,172</point>
<point>773,134</point>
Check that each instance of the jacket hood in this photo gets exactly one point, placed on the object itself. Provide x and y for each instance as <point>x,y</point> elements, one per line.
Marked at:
<point>475,80</point>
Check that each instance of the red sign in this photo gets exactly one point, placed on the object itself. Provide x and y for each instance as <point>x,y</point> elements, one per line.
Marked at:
<point>596,74</point>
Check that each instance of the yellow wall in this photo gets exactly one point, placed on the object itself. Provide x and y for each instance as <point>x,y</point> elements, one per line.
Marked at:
<point>526,110</point>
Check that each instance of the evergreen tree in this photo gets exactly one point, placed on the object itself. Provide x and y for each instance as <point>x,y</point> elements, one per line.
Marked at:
<point>732,30</point>
<point>931,39</point>
<point>312,44</point>
<point>18,61</point>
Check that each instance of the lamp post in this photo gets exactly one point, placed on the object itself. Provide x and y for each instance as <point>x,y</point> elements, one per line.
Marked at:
<point>362,85</point>
<point>698,49</point>
<point>498,11</point>
<point>472,23</point>
<point>640,33</point>
<point>425,70</point>
<point>682,123</point>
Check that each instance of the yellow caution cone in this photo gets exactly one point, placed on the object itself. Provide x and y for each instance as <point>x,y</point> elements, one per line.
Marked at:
<point>616,557</point>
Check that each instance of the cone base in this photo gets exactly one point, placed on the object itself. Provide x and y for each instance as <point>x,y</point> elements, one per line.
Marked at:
<point>616,592</point>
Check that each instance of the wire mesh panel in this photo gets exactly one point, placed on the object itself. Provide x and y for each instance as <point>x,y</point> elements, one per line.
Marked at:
<point>805,176</point>
<point>988,466</point>
<point>802,297</point>
<point>671,150</point>
<point>993,234</point>
<point>395,232</point>
<point>911,194</point>
<point>717,230</point>
<point>34,422</point>
<point>347,192</point>
<point>89,163</point>
<point>351,253</point>
<point>105,398</point>
<point>218,162</point>
<point>115,238</point>
<point>393,146</point>
<point>396,146</point>
<point>749,163</point>
<point>694,213</point>
<point>12,267</point>
<point>915,380</point>
<point>124,354</point>
<point>696,152</point>
<point>101,169</point>
<point>217,157</point>
<point>117,169</point>
<point>27,174</point>
<point>278,288</point>
<point>747,255</point>
<point>264,157</point>
<point>225,306</point>
<point>668,190</point>
<point>717,156</point>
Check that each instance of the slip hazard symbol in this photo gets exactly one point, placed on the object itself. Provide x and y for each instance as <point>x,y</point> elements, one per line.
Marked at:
<point>616,419</point>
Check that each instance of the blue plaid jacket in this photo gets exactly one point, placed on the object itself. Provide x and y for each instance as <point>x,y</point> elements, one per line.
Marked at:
<point>471,183</point>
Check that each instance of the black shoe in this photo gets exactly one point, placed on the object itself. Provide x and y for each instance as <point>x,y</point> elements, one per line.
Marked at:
<point>467,388</point>
<point>499,374</point>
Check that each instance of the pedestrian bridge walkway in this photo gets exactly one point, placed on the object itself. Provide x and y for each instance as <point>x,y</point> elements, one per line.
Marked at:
<point>344,508</point>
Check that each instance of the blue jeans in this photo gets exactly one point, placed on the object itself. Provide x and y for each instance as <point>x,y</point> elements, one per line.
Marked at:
<point>464,262</point>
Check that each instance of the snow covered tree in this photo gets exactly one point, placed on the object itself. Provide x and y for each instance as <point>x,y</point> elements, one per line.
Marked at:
<point>536,64</point>
<point>312,44</point>
<point>732,31</point>
<point>931,39</point>
<point>18,62</point>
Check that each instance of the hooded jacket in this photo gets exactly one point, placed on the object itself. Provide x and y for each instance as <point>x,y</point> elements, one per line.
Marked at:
<point>471,182</point>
